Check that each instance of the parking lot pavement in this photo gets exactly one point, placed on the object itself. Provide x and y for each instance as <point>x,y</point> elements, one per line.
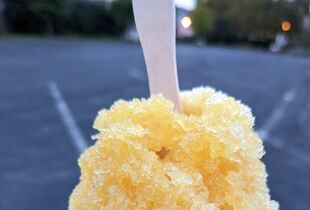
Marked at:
<point>38,167</point>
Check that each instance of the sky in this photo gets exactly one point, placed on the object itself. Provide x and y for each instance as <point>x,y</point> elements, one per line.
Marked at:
<point>186,4</point>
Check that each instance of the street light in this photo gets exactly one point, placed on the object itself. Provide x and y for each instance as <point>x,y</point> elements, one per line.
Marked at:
<point>286,26</point>
<point>186,22</point>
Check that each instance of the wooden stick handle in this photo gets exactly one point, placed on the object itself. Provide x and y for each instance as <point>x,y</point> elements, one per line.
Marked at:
<point>155,22</point>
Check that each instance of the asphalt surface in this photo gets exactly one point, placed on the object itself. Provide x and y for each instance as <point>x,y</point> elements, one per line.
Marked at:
<point>38,159</point>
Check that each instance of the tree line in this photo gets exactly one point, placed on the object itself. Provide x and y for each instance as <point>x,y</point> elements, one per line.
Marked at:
<point>213,20</point>
<point>68,16</point>
<point>247,20</point>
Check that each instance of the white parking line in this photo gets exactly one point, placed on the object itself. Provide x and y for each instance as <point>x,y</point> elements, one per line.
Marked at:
<point>302,156</point>
<point>277,114</point>
<point>77,138</point>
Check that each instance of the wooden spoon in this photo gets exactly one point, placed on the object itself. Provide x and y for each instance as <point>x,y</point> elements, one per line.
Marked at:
<point>155,22</point>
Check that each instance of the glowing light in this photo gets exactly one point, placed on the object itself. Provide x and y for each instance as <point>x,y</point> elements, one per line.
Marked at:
<point>186,22</point>
<point>286,26</point>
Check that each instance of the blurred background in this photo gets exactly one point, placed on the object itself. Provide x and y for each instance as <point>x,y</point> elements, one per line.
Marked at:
<point>63,60</point>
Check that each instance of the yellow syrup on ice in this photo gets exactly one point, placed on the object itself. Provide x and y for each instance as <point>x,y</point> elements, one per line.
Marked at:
<point>149,157</point>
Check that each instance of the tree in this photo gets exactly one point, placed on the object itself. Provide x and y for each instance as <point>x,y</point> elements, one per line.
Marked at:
<point>19,18</point>
<point>252,20</point>
<point>122,14</point>
<point>48,11</point>
<point>34,16</point>
<point>90,17</point>
<point>202,18</point>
